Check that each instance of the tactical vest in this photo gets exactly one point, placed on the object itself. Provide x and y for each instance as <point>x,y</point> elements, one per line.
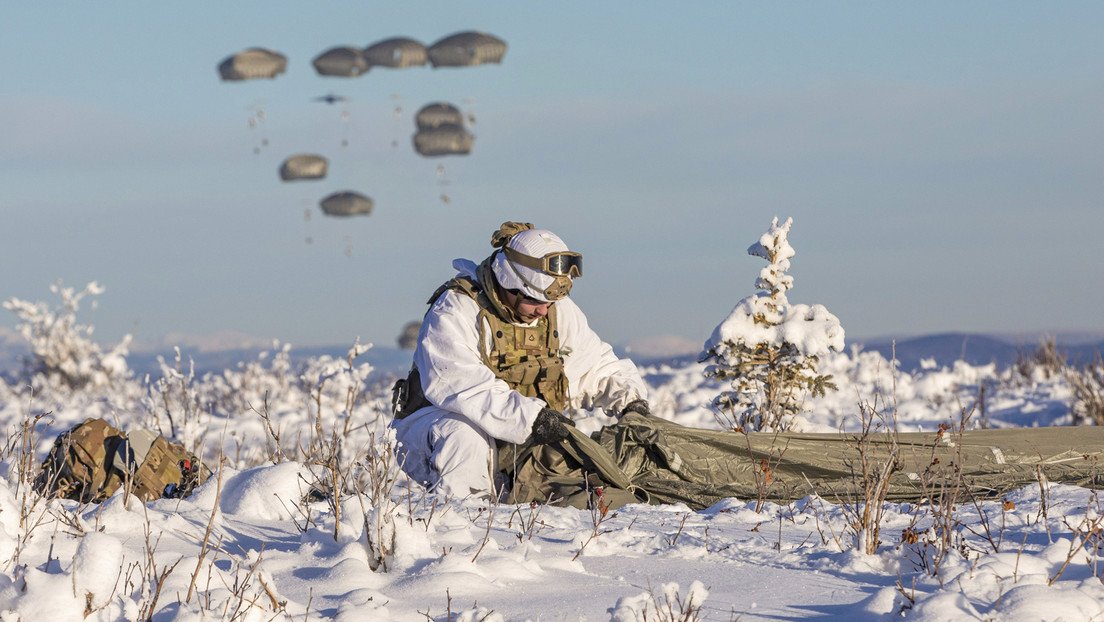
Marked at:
<point>527,358</point>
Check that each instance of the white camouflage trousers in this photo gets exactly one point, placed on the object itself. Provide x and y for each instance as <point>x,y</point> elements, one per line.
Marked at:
<point>445,452</point>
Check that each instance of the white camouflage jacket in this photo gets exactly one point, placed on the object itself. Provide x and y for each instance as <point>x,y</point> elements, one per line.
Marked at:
<point>455,379</point>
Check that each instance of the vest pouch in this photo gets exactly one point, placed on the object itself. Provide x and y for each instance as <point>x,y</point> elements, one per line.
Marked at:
<point>553,393</point>
<point>407,395</point>
<point>529,372</point>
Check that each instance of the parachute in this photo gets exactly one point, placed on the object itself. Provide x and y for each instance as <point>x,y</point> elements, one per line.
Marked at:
<point>464,49</point>
<point>645,458</point>
<point>343,61</point>
<point>437,114</point>
<point>346,203</point>
<point>251,64</point>
<point>441,131</point>
<point>396,53</point>
<point>444,140</point>
<point>303,166</point>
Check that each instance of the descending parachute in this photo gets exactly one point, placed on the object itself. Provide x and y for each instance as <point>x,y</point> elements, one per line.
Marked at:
<point>438,114</point>
<point>396,53</point>
<point>343,61</point>
<point>251,64</point>
<point>444,140</point>
<point>303,166</point>
<point>346,203</point>
<point>441,131</point>
<point>465,49</point>
<point>408,338</point>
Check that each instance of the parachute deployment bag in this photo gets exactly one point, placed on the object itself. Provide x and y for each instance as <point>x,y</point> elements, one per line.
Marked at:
<point>78,466</point>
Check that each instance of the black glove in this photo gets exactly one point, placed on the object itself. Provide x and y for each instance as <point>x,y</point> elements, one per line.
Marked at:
<point>550,427</point>
<point>636,406</point>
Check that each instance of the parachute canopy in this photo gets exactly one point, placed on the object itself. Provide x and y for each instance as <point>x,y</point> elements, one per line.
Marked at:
<point>343,61</point>
<point>443,140</point>
<point>303,166</point>
<point>251,64</point>
<point>396,53</point>
<point>437,114</point>
<point>441,131</point>
<point>408,338</point>
<point>464,49</point>
<point>346,203</point>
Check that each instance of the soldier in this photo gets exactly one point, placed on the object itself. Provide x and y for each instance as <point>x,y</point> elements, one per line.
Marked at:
<point>502,355</point>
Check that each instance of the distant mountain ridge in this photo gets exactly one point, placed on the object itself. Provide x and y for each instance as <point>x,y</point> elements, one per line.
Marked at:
<point>946,348</point>
<point>975,349</point>
<point>943,348</point>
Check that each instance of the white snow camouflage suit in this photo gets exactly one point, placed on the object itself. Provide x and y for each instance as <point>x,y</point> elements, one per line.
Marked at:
<point>450,445</point>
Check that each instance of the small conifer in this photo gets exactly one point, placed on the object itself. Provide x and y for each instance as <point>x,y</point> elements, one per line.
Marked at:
<point>768,349</point>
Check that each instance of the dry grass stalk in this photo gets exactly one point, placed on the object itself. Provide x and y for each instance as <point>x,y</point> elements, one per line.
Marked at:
<point>205,545</point>
<point>871,475</point>
<point>599,514</point>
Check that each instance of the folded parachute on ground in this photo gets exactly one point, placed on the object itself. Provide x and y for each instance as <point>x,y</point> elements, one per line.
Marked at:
<point>465,49</point>
<point>342,61</point>
<point>346,203</point>
<point>647,459</point>
<point>396,53</point>
<point>304,166</point>
<point>251,64</point>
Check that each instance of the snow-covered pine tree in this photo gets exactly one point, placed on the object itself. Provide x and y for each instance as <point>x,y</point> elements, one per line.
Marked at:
<point>768,349</point>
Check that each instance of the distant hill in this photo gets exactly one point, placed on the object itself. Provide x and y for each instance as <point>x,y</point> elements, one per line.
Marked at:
<point>384,360</point>
<point>944,349</point>
<point>976,349</point>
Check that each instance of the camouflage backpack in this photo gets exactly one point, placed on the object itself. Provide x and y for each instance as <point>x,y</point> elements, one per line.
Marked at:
<point>94,459</point>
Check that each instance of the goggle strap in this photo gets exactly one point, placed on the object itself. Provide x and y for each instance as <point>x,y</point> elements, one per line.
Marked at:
<point>523,259</point>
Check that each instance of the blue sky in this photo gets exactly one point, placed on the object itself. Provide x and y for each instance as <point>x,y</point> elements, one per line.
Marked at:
<point>942,161</point>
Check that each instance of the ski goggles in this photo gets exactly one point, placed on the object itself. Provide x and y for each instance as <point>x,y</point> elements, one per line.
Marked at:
<point>561,263</point>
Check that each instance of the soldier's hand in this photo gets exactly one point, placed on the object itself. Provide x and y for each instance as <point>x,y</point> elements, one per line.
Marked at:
<point>550,427</point>
<point>636,406</point>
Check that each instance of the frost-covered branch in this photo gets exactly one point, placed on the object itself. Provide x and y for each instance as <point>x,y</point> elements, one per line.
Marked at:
<point>62,350</point>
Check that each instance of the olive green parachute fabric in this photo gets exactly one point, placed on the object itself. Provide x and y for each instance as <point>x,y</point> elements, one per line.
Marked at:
<point>652,460</point>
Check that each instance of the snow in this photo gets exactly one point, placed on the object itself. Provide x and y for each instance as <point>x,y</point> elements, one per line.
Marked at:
<point>468,560</point>
<point>267,538</point>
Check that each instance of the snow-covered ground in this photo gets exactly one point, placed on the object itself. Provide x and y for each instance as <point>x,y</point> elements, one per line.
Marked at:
<point>252,545</point>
